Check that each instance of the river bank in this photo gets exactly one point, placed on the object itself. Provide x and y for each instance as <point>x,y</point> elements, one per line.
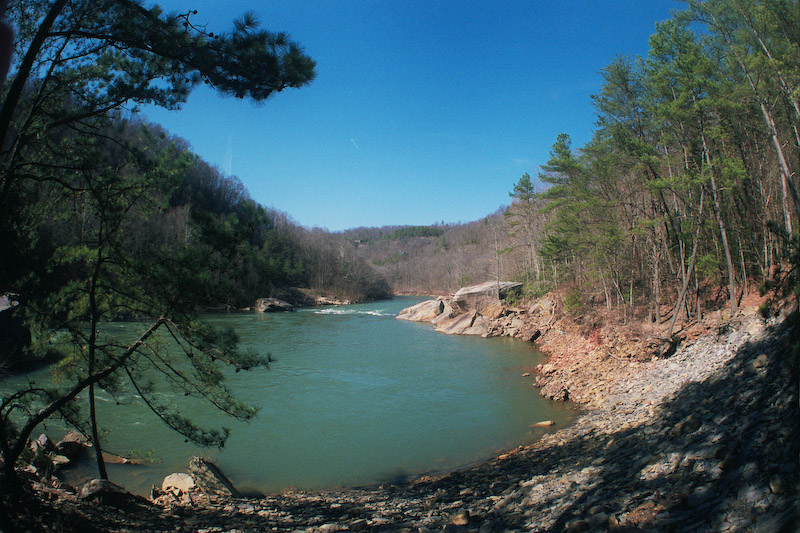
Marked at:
<point>703,440</point>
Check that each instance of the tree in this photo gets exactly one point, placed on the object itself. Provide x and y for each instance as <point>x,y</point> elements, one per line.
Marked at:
<point>526,221</point>
<point>758,38</point>
<point>77,178</point>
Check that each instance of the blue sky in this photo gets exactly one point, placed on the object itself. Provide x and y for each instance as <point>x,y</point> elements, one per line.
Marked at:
<point>421,112</point>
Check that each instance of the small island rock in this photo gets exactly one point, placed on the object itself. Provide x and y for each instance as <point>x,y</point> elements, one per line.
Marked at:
<point>271,305</point>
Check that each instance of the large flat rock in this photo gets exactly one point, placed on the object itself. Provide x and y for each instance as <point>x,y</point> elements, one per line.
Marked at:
<point>422,312</point>
<point>476,296</point>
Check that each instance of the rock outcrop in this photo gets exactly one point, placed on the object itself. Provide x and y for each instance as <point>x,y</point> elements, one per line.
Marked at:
<point>271,305</point>
<point>481,310</point>
<point>426,311</point>
<point>204,484</point>
<point>477,296</point>
<point>104,492</point>
<point>210,478</point>
<point>73,445</point>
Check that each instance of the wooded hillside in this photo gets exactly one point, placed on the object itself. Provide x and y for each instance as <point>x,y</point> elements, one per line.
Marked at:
<point>686,195</point>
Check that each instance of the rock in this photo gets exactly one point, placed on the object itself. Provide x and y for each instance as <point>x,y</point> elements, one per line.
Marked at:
<point>543,306</point>
<point>60,460</point>
<point>577,524</point>
<point>178,480</point>
<point>114,459</point>
<point>210,478</point>
<point>104,492</point>
<point>447,313</point>
<point>543,424</point>
<point>476,296</point>
<point>530,335</point>
<point>493,310</point>
<point>480,326</point>
<point>461,518</point>
<point>359,525</point>
<point>422,312</point>
<point>547,369</point>
<point>776,484</point>
<point>43,444</point>
<point>760,361</point>
<point>270,305</point>
<point>691,424</point>
<point>72,445</point>
<point>457,325</point>
<point>324,300</point>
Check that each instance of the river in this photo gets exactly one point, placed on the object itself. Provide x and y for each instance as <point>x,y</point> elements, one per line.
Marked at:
<point>354,397</point>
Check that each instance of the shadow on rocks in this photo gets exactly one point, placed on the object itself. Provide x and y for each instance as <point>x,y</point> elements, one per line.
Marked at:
<point>721,455</point>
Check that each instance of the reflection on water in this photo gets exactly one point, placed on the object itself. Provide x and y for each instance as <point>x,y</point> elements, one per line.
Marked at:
<point>354,397</point>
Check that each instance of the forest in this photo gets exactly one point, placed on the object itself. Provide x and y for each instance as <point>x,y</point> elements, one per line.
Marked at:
<point>684,200</point>
<point>105,217</point>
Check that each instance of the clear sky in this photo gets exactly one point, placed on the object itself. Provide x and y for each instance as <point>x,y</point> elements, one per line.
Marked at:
<point>421,112</point>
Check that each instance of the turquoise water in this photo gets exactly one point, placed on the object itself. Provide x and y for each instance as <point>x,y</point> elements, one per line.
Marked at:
<point>354,397</point>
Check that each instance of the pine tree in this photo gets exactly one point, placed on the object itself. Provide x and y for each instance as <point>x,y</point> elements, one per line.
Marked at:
<point>76,178</point>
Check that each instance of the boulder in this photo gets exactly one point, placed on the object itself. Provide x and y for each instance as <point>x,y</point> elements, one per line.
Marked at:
<point>447,313</point>
<point>422,312</point>
<point>72,445</point>
<point>324,300</point>
<point>270,305</point>
<point>545,305</point>
<point>494,310</point>
<point>60,461</point>
<point>458,324</point>
<point>43,444</point>
<point>477,296</point>
<point>480,326</point>
<point>210,479</point>
<point>182,482</point>
<point>104,492</point>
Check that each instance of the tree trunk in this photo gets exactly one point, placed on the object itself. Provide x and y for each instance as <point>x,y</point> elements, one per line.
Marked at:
<point>101,465</point>
<point>724,234</point>
<point>685,287</point>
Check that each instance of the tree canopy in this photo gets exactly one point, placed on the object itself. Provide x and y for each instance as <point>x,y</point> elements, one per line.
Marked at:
<point>93,226</point>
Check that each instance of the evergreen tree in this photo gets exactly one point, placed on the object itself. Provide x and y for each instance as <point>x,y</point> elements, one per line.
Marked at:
<point>75,185</point>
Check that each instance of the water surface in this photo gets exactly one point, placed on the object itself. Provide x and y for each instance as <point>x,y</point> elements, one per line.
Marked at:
<point>354,397</point>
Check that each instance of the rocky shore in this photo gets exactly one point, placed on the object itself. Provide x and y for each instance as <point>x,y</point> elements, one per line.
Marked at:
<point>704,437</point>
